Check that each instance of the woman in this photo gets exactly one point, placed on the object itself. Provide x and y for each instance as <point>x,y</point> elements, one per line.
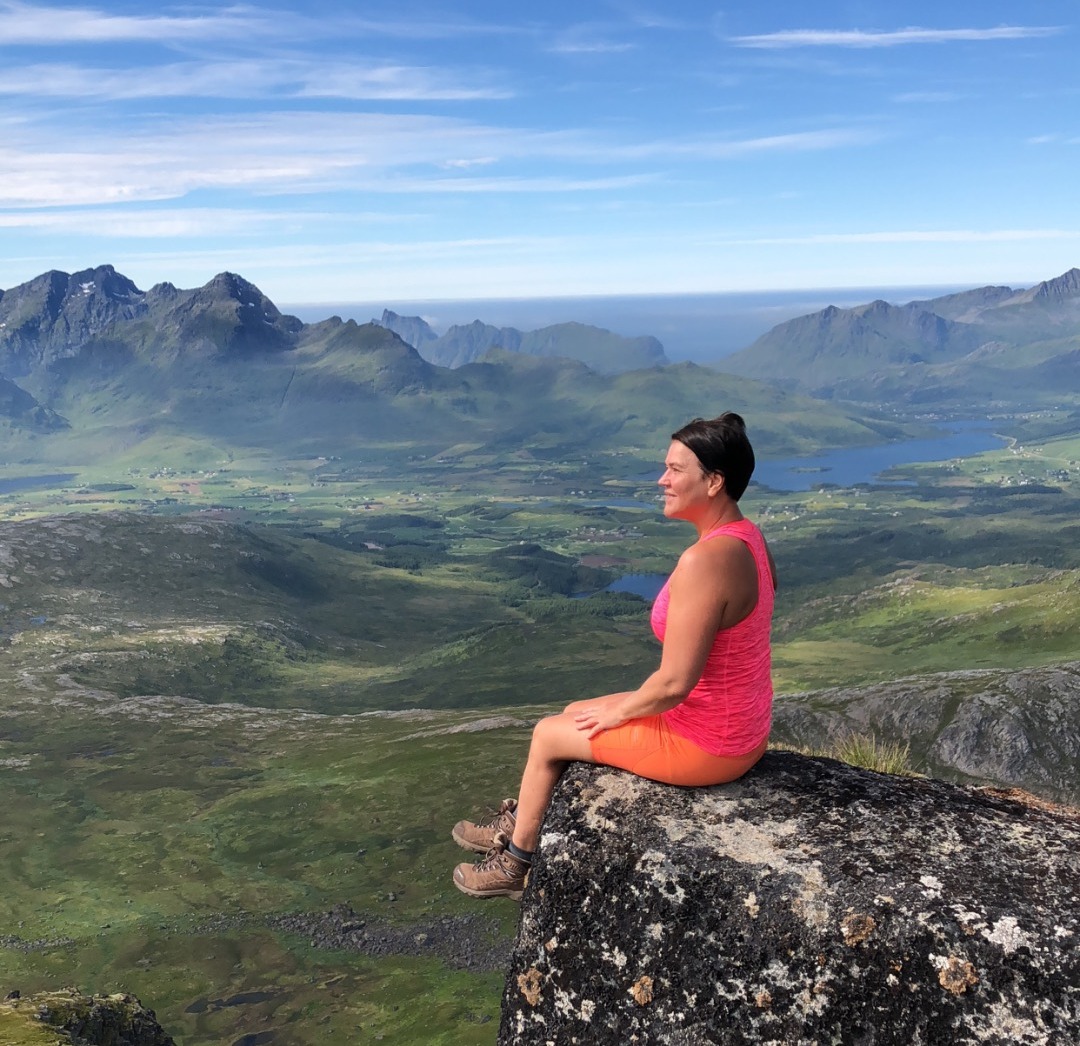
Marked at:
<point>703,716</point>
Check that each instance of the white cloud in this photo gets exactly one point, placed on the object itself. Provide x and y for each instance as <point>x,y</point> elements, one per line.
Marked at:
<point>23,23</point>
<point>591,47</point>
<point>465,164</point>
<point>186,223</point>
<point>590,38</point>
<point>875,38</point>
<point>310,152</point>
<point>912,236</point>
<point>393,82</point>
<point>247,78</point>
<point>927,97</point>
<point>554,184</point>
<point>36,24</point>
<point>1052,139</point>
<point>712,148</point>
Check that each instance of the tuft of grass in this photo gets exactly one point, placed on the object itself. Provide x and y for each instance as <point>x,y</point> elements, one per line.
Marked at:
<point>870,753</point>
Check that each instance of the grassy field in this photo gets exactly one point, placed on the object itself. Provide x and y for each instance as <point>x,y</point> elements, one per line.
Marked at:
<point>148,842</point>
<point>275,687</point>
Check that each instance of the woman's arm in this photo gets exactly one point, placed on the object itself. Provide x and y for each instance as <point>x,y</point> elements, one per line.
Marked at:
<point>714,586</point>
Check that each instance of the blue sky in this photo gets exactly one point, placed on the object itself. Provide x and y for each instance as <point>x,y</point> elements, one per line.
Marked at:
<point>355,152</point>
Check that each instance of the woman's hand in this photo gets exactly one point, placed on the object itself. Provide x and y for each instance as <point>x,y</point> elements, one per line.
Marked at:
<point>603,713</point>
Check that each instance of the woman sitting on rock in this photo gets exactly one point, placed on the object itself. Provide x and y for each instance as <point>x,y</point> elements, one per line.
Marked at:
<point>703,717</point>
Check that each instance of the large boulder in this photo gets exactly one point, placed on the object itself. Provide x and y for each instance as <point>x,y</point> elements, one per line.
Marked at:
<point>810,902</point>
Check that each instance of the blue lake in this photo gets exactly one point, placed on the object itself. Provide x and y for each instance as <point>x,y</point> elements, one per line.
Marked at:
<point>9,486</point>
<point>846,468</point>
<point>645,585</point>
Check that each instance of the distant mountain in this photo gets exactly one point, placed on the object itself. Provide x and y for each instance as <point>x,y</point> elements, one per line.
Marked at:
<point>601,349</point>
<point>104,368</point>
<point>58,316</point>
<point>1013,346</point>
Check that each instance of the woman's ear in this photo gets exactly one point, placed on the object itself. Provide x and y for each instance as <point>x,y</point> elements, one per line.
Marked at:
<point>716,483</point>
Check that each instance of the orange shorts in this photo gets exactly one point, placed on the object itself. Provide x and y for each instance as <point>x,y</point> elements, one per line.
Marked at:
<point>649,748</point>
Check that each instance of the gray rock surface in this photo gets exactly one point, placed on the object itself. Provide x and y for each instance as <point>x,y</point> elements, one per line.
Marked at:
<point>1019,728</point>
<point>810,902</point>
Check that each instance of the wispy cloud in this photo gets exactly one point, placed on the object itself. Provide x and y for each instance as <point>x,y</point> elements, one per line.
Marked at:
<point>913,236</point>
<point>590,47</point>
<point>291,152</point>
<point>358,80</point>
<point>590,38</point>
<point>1053,139</point>
<point>859,38</point>
<point>310,152</point>
<point>22,23</point>
<point>927,97</point>
<point>553,184</point>
<point>184,222</point>
<point>714,148</point>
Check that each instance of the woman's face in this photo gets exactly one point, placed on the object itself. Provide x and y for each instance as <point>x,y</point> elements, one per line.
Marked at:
<point>687,491</point>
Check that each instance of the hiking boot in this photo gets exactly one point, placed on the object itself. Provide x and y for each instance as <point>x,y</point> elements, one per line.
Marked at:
<point>480,838</point>
<point>500,874</point>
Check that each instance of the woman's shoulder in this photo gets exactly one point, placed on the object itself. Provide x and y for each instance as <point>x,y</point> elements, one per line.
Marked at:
<point>715,553</point>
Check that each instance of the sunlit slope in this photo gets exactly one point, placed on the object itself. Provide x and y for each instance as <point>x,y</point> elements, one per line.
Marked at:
<point>357,390</point>
<point>568,406</point>
<point>138,605</point>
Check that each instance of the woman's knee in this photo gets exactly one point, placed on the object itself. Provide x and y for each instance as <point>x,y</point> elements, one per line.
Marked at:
<point>557,737</point>
<point>546,730</point>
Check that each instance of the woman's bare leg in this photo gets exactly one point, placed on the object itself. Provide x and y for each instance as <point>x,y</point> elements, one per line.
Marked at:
<point>556,742</point>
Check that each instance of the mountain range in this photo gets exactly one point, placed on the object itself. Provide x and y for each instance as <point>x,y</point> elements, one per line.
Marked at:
<point>602,350</point>
<point>94,366</point>
<point>989,345</point>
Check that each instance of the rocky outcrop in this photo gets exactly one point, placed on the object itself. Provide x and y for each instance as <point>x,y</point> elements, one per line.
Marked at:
<point>810,902</point>
<point>67,1016</point>
<point>1019,728</point>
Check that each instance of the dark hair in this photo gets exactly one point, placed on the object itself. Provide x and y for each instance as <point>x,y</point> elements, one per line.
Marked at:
<point>721,446</point>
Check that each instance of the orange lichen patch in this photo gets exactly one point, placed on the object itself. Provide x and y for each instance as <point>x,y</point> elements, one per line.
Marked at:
<point>529,984</point>
<point>763,999</point>
<point>856,928</point>
<point>642,990</point>
<point>957,975</point>
<point>1018,795</point>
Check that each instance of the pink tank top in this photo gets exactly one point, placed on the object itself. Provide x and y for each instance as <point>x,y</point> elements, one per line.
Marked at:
<point>729,711</point>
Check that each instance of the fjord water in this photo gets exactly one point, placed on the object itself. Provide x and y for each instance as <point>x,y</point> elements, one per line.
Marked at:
<point>845,468</point>
<point>861,465</point>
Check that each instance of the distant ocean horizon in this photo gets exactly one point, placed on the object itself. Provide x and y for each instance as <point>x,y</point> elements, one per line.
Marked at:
<point>699,327</point>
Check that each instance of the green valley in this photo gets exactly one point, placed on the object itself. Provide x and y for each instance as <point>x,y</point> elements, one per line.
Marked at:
<point>277,610</point>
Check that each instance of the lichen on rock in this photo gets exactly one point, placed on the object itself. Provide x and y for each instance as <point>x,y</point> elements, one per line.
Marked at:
<point>68,1016</point>
<point>810,902</point>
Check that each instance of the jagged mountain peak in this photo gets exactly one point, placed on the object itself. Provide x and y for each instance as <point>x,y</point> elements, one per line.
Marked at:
<point>103,279</point>
<point>231,287</point>
<point>1061,289</point>
<point>414,330</point>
